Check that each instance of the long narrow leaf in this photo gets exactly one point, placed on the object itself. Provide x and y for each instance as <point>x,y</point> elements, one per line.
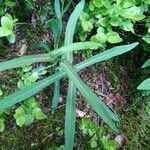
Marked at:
<point>19,62</point>
<point>97,103</point>
<point>110,53</point>
<point>55,99</point>
<point>146,64</point>
<point>29,91</point>
<point>57,8</point>
<point>70,29</point>
<point>71,96</point>
<point>70,117</point>
<point>25,60</point>
<point>74,47</point>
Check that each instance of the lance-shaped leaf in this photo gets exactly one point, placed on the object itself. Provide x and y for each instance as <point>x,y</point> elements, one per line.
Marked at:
<point>99,106</point>
<point>70,29</point>
<point>146,64</point>
<point>71,94</point>
<point>25,60</point>
<point>70,116</point>
<point>145,85</point>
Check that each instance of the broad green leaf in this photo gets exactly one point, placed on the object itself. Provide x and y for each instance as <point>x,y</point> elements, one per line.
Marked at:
<point>5,32</point>
<point>39,115</point>
<point>127,26</point>
<point>135,13</point>
<point>107,115</point>
<point>87,26</point>
<point>113,37</point>
<point>28,91</point>
<point>145,85</point>
<point>7,23</point>
<point>70,116</point>
<point>146,64</point>
<point>147,39</point>
<point>98,3</point>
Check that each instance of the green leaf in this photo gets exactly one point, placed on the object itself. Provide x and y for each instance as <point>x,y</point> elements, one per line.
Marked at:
<point>135,13</point>
<point>70,116</point>
<point>98,3</point>
<point>145,85</point>
<point>9,3</point>
<point>55,26</point>
<point>1,92</point>
<point>113,37</point>
<point>127,26</point>
<point>39,115</point>
<point>26,60</point>
<point>57,9</point>
<point>7,22</point>
<point>5,32</point>
<point>29,118</point>
<point>55,99</point>
<point>2,125</point>
<point>20,116</point>
<point>146,64</point>
<point>29,91</point>
<point>70,29</point>
<point>99,106</point>
<point>146,39</point>
<point>11,38</point>
<point>75,47</point>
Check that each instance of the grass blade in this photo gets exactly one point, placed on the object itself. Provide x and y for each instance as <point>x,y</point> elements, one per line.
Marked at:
<point>107,115</point>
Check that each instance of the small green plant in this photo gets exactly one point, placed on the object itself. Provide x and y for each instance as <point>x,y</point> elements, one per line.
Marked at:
<point>7,25</point>
<point>29,109</point>
<point>64,57</point>
<point>98,140</point>
<point>108,21</point>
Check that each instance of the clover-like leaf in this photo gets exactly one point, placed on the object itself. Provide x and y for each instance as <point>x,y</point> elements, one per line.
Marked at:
<point>113,37</point>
